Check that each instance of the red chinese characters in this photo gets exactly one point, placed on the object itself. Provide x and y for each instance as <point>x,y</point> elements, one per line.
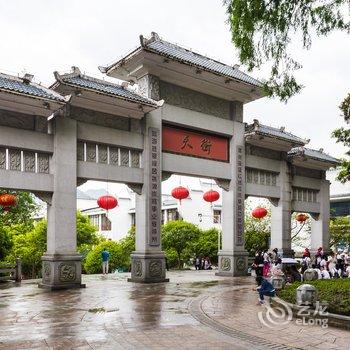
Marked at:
<point>192,143</point>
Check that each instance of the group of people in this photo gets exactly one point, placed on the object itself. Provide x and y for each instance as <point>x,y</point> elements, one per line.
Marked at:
<point>267,263</point>
<point>333,265</point>
<point>202,263</point>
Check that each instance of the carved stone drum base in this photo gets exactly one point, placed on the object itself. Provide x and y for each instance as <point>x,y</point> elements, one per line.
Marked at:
<point>148,268</point>
<point>233,264</point>
<point>61,271</point>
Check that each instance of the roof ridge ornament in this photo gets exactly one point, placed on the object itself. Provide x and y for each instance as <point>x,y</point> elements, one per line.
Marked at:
<point>144,41</point>
<point>27,78</point>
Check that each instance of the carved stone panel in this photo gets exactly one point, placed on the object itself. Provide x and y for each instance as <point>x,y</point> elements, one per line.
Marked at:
<point>43,163</point>
<point>186,98</point>
<point>15,159</point>
<point>2,158</point>
<point>91,152</point>
<point>29,162</point>
<point>99,118</point>
<point>155,268</point>
<point>137,267</point>
<point>240,264</point>
<point>102,154</point>
<point>124,157</point>
<point>46,271</point>
<point>135,159</point>
<point>67,272</point>
<point>225,264</point>
<point>80,151</point>
<point>113,156</point>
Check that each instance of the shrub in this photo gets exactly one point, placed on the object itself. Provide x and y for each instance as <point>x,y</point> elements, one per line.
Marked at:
<point>335,292</point>
<point>117,258</point>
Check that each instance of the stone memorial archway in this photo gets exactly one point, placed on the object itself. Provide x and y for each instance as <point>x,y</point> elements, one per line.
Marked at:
<point>186,118</point>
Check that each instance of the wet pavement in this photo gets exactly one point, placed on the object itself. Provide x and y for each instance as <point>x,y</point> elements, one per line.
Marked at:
<point>196,309</point>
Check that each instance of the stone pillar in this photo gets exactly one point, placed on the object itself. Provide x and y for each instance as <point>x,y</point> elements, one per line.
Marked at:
<point>320,223</point>
<point>148,261</point>
<point>281,213</point>
<point>61,262</point>
<point>233,259</point>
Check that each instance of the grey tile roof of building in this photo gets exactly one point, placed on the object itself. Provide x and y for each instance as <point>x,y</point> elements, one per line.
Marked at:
<point>280,133</point>
<point>180,54</point>
<point>76,79</point>
<point>313,154</point>
<point>13,84</point>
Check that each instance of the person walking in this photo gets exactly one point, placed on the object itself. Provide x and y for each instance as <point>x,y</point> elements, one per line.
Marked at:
<point>105,261</point>
<point>197,263</point>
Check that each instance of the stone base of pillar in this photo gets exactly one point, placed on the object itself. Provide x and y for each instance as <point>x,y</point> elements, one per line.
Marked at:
<point>61,271</point>
<point>232,264</point>
<point>286,253</point>
<point>148,267</point>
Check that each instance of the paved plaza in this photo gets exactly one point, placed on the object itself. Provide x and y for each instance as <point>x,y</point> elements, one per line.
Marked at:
<point>195,310</point>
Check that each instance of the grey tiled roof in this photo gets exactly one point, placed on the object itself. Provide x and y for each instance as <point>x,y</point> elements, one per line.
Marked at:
<point>181,54</point>
<point>84,81</point>
<point>312,153</point>
<point>11,83</point>
<point>270,131</point>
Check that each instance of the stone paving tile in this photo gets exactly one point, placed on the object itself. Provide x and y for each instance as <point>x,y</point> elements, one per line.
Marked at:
<point>113,314</point>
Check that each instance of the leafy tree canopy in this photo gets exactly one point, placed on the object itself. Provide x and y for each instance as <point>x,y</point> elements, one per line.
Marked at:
<point>257,232</point>
<point>262,31</point>
<point>339,229</point>
<point>343,136</point>
<point>178,235</point>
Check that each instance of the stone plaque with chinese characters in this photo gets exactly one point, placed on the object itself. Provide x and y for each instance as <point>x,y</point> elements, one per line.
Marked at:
<point>195,144</point>
<point>240,196</point>
<point>154,187</point>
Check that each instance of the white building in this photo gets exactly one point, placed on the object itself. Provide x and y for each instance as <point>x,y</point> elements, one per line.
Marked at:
<point>194,209</point>
<point>116,223</point>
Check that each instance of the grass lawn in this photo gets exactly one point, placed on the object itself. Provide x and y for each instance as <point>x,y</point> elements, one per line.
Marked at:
<point>335,292</point>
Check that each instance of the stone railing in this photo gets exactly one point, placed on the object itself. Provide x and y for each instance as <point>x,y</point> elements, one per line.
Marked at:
<point>11,271</point>
<point>24,160</point>
<point>111,155</point>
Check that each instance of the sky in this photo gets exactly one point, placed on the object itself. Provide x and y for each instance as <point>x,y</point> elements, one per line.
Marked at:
<point>41,36</point>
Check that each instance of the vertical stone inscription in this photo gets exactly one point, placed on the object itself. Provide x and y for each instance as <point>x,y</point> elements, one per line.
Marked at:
<point>154,187</point>
<point>239,196</point>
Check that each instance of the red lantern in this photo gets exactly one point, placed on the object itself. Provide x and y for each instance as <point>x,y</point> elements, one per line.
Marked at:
<point>107,202</point>
<point>180,193</point>
<point>7,200</point>
<point>211,196</point>
<point>259,213</point>
<point>301,217</point>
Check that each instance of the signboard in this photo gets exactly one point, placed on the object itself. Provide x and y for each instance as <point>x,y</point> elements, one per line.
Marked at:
<point>195,144</point>
<point>154,184</point>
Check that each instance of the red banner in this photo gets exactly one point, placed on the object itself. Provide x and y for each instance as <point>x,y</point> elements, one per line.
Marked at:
<point>196,144</point>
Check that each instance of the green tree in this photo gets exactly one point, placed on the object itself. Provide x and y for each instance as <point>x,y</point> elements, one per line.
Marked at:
<point>128,244</point>
<point>343,136</point>
<point>207,244</point>
<point>339,230</point>
<point>117,259</point>
<point>257,232</point>
<point>178,236</point>
<point>18,219</point>
<point>262,31</point>
<point>30,246</point>
<point>22,212</point>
